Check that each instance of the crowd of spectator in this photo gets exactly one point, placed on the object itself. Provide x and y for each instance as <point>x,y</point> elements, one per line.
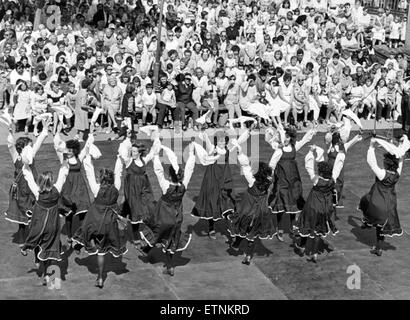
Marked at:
<point>91,64</point>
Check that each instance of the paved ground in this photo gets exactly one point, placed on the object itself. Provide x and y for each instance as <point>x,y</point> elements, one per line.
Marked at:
<point>208,269</point>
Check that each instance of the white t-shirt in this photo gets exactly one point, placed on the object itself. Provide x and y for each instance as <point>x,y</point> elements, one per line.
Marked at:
<point>149,99</point>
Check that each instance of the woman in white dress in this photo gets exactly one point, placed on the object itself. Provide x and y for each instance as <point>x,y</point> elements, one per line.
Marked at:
<point>21,102</point>
<point>277,106</point>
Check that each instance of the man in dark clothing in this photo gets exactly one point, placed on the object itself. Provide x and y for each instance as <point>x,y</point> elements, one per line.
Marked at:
<point>184,99</point>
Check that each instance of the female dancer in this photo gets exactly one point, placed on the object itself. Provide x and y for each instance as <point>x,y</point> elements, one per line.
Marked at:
<point>379,206</point>
<point>21,199</point>
<point>253,218</point>
<point>215,200</point>
<point>100,231</point>
<point>139,198</point>
<point>317,217</point>
<point>75,199</point>
<point>337,141</point>
<point>44,230</point>
<point>287,193</point>
<point>165,229</point>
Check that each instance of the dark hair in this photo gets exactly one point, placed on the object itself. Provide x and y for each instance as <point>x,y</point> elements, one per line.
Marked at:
<point>287,77</point>
<point>21,143</point>
<point>74,145</point>
<point>42,76</point>
<point>336,139</point>
<point>130,88</point>
<point>45,182</point>
<point>324,169</point>
<point>263,73</point>
<point>62,73</point>
<point>263,177</point>
<point>292,133</point>
<point>141,147</point>
<point>391,163</point>
<point>85,83</point>
<point>60,54</point>
<point>106,177</point>
<point>176,177</point>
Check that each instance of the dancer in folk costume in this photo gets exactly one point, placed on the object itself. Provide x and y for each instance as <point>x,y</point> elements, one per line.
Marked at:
<point>337,140</point>
<point>21,199</point>
<point>75,199</point>
<point>139,198</point>
<point>379,206</point>
<point>215,197</point>
<point>44,230</point>
<point>164,230</point>
<point>102,229</point>
<point>317,217</point>
<point>287,193</point>
<point>253,218</point>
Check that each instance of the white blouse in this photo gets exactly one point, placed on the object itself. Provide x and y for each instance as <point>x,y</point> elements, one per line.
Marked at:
<point>310,167</point>
<point>159,172</point>
<point>89,172</point>
<point>28,175</point>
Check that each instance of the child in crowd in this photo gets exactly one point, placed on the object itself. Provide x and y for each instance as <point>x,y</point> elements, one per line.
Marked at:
<point>149,101</point>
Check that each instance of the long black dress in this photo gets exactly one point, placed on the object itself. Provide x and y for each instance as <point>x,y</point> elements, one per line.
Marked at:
<point>317,216</point>
<point>165,227</point>
<point>253,217</point>
<point>75,198</point>
<point>287,193</point>
<point>44,229</point>
<point>379,206</point>
<point>21,199</point>
<point>99,233</point>
<point>215,199</point>
<point>139,198</point>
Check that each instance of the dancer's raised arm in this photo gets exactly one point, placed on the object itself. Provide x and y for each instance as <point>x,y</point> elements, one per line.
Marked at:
<point>246,167</point>
<point>353,141</point>
<point>11,145</point>
<point>28,175</point>
<point>338,166</point>
<point>159,172</point>
<point>275,158</point>
<point>43,135</point>
<point>319,154</point>
<point>119,164</point>
<point>372,161</point>
<point>189,165</point>
<point>154,148</point>
<point>90,174</point>
<point>306,138</point>
<point>58,145</point>
<point>62,175</point>
<point>208,144</point>
<point>310,165</point>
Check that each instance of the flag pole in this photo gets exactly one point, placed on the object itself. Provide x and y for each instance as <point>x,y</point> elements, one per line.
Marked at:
<point>158,52</point>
